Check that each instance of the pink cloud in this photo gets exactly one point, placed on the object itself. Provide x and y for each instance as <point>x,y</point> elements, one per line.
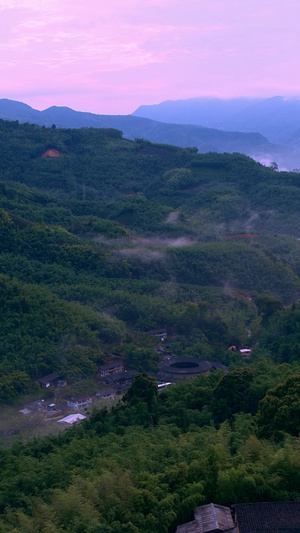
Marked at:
<point>115,57</point>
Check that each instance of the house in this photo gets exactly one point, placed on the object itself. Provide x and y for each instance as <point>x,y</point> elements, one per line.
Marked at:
<point>268,517</point>
<point>70,419</point>
<point>110,368</point>
<point>80,402</point>
<point>106,394</point>
<point>210,518</point>
<point>123,378</point>
<point>50,380</point>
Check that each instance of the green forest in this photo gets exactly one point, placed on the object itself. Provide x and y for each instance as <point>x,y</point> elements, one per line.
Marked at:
<point>102,240</point>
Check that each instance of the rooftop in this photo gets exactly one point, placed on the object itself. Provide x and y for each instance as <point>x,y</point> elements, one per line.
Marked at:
<point>210,518</point>
<point>270,517</point>
<point>80,398</point>
<point>70,419</point>
<point>113,364</point>
<point>188,366</point>
<point>48,378</point>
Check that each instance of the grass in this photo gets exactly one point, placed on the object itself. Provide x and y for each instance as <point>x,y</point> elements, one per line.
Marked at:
<point>16,426</point>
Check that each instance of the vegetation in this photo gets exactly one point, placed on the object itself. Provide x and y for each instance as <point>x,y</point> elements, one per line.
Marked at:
<point>148,462</point>
<point>98,246</point>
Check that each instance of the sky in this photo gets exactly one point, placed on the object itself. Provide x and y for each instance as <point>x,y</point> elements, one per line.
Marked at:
<point>111,56</point>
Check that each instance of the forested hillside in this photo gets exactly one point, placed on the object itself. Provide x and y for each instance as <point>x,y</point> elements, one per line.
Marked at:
<point>109,238</point>
<point>144,466</point>
<point>103,240</point>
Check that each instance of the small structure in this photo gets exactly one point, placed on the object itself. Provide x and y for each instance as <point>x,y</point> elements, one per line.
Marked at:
<point>25,411</point>
<point>159,350</point>
<point>52,152</point>
<point>50,380</point>
<point>209,518</point>
<point>162,386</point>
<point>62,383</point>
<point>161,333</point>
<point>110,368</point>
<point>106,394</point>
<point>181,368</point>
<point>269,517</point>
<point>80,402</point>
<point>71,419</point>
<point>245,352</point>
<point>37,406</point>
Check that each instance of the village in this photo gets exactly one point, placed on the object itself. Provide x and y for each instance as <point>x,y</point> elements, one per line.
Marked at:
<point>62,404</point>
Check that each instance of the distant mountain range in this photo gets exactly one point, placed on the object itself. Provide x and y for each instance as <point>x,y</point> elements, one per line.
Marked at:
<point>206,139</point>
<point>277,118</point>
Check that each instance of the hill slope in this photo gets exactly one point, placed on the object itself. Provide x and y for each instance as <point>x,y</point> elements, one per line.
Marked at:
<point>103,239</point>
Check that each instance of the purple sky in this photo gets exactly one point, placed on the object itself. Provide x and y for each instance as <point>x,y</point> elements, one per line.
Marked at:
<point>110,56</point>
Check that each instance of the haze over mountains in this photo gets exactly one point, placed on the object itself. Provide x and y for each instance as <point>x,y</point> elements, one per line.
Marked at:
<point>277,118</point>
<point>198,123</point>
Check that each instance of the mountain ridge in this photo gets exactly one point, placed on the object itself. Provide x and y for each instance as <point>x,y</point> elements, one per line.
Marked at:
<point>204,139</point>
<point>276,117</point>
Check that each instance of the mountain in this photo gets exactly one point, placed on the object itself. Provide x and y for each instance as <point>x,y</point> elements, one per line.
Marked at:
<point>185,135</point>
<point>276,117</point>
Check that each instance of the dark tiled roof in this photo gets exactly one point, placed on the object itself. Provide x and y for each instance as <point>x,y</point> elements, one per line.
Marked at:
<point>111,366</point>
<point>189,527</point>
<point>49,378</point>
<point>210,518</point>
<point>214,517</point>
<point>81,398</point>
<point>127,374</point>
<point>271,517</point>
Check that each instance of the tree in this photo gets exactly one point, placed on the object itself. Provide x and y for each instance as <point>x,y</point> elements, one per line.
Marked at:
<point>231,393</point>
<point>142,389</point>
<point>279,410</point>
<point>268,306</point>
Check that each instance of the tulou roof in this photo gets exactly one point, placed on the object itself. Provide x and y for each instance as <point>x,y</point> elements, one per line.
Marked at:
<point>188,366</point>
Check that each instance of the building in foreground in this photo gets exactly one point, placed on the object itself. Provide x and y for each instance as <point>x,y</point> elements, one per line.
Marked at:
<point>270,517</point>
<point>210,518</point>
<point>262,517</point>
